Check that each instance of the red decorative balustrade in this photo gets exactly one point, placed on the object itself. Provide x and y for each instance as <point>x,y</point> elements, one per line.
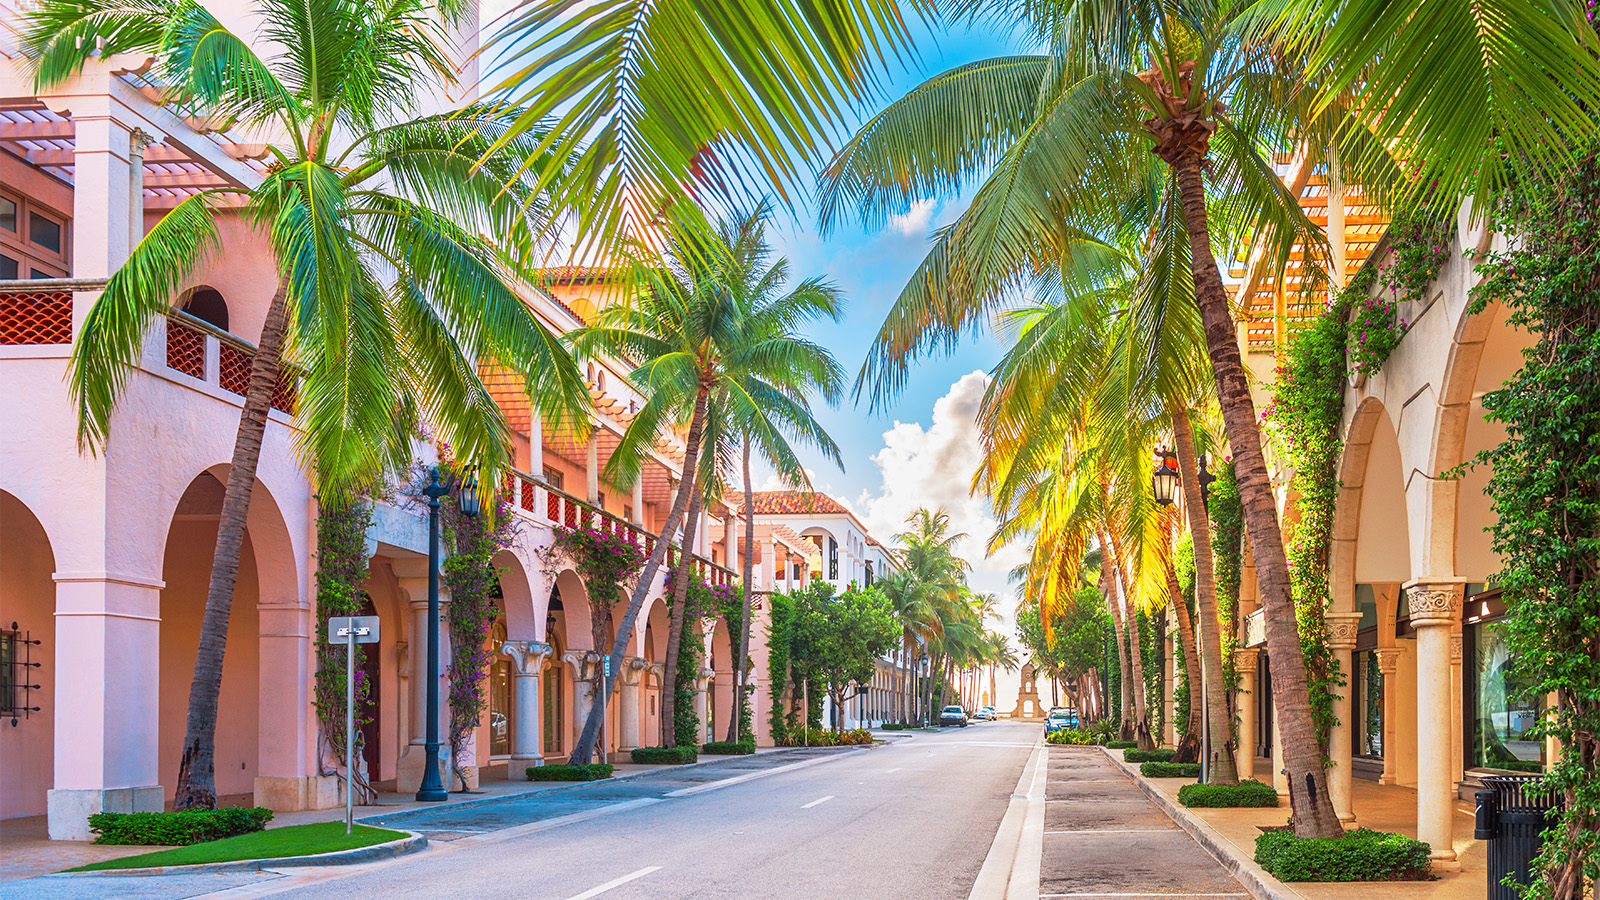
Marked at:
<point>35,317</point>
<point>521,491</point>
<point>186,353</point>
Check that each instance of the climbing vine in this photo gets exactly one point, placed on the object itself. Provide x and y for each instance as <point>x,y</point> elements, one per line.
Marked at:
<point>1227,550</point>
<point>1183,563</point>
<point>1542,482</point>
<point>341,571</point>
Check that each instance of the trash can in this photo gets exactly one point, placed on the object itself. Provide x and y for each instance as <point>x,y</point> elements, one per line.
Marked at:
<point>1511,815</point>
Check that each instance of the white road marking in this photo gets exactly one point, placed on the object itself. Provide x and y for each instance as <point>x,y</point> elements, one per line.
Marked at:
<point>751,776</point>
<point>1117,831</point>
<point>614,883</point>
<point>891,771</point>
<point>818,802</point>
<point>1098,894</point>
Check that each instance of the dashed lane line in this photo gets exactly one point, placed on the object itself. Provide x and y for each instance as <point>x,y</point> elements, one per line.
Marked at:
<point>614,883</point>
<point>818,802</point>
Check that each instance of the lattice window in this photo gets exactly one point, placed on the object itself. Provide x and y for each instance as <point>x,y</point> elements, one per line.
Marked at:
<point>234,369</point>
<point>528,495</point>
<point>186,349</point>
<point>283,395</point>
<point>552,506</point>
<point>36,317</point>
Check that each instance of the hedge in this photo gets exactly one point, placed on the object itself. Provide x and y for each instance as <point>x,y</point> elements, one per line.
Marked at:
<point>1136,755</point>
<point>1121,745</point>
<point>1246,793</point>
<point>729,748</point>
<point>671,756</point>
<point>895,726</point>
<point>590,772</point>
<point>1169,770</point>
<point>1361,855</point>
<point>176,829</point>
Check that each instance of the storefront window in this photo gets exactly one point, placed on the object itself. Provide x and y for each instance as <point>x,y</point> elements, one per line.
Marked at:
<point>499,693</point>
<point>1502,711</point>
<point>1369,697</point>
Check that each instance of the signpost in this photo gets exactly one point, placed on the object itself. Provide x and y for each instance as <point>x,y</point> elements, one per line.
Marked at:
<point>350,631</point>
<point>605,685</point>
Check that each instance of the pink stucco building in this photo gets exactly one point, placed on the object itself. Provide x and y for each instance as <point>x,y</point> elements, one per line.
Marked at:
<point>104,558</point>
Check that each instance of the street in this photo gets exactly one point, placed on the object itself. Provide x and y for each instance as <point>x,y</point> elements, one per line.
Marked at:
<point>911,819</point>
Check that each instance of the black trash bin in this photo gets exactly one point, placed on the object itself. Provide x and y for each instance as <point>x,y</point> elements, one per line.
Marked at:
<point>1511,815</point>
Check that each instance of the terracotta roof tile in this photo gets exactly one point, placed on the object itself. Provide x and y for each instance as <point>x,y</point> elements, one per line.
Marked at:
<point>769,503</point>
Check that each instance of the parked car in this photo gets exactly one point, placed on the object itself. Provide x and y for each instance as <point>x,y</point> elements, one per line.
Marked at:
<point>1060,719</point>
<point>985,713</point>
<point>953,715</point>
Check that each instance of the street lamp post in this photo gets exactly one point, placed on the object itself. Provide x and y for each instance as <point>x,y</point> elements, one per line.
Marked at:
<point>1164,483</point>
<point>432,789</point>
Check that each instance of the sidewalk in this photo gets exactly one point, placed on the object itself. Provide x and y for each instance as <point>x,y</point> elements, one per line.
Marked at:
<point>26,849</point>
<point>1379,807</point>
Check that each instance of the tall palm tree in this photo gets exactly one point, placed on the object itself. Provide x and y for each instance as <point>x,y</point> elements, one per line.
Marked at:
<point>387,301</point>
<point>918,622</point>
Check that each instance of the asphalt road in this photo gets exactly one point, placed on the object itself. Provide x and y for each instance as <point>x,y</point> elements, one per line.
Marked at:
<point>912,819</point>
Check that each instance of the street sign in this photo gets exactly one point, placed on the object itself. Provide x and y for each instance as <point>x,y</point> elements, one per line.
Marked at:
<point>350,631</point>
<point>365,629</point>
<point>608,665</point>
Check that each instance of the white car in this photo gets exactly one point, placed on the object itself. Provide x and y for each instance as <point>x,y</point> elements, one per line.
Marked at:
<point>986,713</point>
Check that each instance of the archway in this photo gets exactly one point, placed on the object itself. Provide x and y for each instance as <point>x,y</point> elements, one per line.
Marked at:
<point>27,615</point>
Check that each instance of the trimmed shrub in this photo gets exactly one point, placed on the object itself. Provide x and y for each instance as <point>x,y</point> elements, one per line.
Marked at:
<point>1136,755</point>
<point>1071,736</point>
<point>1214,796</point>
<point>827,738</point>
<point>1121,745</point>
<point>176,829</point>
<point>1169,770</point>
<point>729,748</point>
<point>894,726</point>
<point>590,772</point>
<point>664,756</point>
<point>1361,855</point>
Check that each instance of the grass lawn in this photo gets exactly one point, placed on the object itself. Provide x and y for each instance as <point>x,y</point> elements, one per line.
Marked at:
<point>274,843</point>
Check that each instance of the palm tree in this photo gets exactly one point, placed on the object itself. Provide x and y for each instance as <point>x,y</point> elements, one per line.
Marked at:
<point>387,301</point>
<point>918,622</point>
<point>1086,115</point>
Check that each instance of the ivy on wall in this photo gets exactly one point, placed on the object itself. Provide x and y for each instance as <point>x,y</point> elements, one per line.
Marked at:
<point>1546,528</point>
<point>341,571</point>
<point>1227,551</point>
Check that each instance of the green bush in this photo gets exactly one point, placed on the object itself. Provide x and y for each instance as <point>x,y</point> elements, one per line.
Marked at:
<point>1246,793</point>
<point>1072,736</point>
<point>176,829</point>
<point>729,748</point>
<point>894,726</point>
<point>664,756</point>
<point>1361,855</point>
<point>590,772</point>
<point>1169,770</point>
<point>1121,745</point>
<point>1134,755</point>
<point>827,738</point>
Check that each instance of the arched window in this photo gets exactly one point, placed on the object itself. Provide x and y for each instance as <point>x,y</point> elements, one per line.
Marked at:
<point>207,305</point>
<point>501,709</point>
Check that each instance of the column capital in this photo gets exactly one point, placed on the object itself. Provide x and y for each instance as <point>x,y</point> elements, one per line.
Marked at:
<point>1342,628</point>
<point>1246,657</point>
<point>1388,660</point>
<point>528,656</point>
<point>633,669</point>
<point>1435,600</point>
<point>584,664</point>
<point>703,679</point>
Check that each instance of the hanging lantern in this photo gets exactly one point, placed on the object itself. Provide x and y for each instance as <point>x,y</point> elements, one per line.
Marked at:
<point>1164,480</point>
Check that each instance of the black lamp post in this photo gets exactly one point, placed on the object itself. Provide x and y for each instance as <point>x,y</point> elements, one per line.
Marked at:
<point>1164,480</point>
<point>1206,480</point>
<point>432,789</point>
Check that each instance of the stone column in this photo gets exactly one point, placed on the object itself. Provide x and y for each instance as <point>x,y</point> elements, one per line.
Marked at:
<point>527,659</point>
<point>1388,665</point>
<point>638,500</point>
<point>591,471</point>
<point>1244,756</point>
<point>1457,732</point>
<point>631,675</point>
<point>701,684</point>
<point>137,141</point>
<point>107,756</point>
<point>1342,627</point>
<point>1434,603</point>
<point>536,449</point>
<point>583,663</point>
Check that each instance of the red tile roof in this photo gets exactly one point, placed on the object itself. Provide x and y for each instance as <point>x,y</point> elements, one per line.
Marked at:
<point>769,503</point>
<point>573,274</point>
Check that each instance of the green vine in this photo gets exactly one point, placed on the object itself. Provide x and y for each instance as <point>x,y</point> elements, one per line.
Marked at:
<point>1546,529</point>
<point>1227,551</point>
<point>1184,565</point>
<point>341,571</point>
<point>780,627</point>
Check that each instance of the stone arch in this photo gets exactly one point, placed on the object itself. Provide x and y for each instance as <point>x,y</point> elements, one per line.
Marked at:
<point>516,597</point>
<point>1370,459</point>
<point>574,613</point>
<point>27,598</point>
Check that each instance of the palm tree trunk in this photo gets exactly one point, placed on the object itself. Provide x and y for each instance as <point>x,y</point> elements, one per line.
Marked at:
<point>691,458</point>
<point>747,571</point>
<point>197,786</point>
<point>1302,753</point>
<point>1188,749</point>
<point>1108,590</point>
<point>1141,706</point>
<point>680,600</point>
<point>1219,718</point>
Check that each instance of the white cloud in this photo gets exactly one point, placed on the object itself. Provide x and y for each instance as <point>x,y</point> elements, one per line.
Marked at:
<point>933,467</point>
<point>914,221</point>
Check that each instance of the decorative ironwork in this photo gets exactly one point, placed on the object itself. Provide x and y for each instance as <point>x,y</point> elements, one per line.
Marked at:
<point>17,673</point>
<point>186,349</point>
<point>233,369</point>
<point>283,396</point>
<point>36,317</point>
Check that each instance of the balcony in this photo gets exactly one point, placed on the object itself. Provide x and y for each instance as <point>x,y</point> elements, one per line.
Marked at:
<point>35,317</point>
<point>201,350</point>
<point>539,502</point>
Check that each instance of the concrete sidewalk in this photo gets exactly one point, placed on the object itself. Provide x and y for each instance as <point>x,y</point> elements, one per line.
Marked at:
<point>1379,807</point>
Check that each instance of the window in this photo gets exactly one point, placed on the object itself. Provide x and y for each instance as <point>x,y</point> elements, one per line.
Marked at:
<point>1500,712</point>
<point>207,305</point>
<point>553,478</point>
<point>833,560</point>
<point>869,573</point>
<point>601,498</point>
<point>44,231</point>
<point>8,655</point>
<point>1369,696</point>
<point>32,241</point>
<point>8,266</point>
<point>627,512</point>
<point>8,214</point>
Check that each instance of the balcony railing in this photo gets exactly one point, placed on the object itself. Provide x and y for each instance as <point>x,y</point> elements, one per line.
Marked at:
<point>192,346</point>
<point>32,317</point>
<point>1255,628</point>
<point>538,500</point>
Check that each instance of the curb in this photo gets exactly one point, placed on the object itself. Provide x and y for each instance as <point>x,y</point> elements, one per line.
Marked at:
<point>1011,869</point>
<point>1255,879</point>
<point>375,818</point>
<point>411,843</point>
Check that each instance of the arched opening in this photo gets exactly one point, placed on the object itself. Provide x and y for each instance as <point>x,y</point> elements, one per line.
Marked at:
<point>27,614</point>
<point>555,678</point>
<point>207,305</point>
